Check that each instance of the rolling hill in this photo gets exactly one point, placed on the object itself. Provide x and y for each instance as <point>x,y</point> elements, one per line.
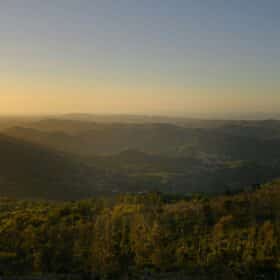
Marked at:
<point>80,158</point>
<point>29,170</point>
<point>238,141</point>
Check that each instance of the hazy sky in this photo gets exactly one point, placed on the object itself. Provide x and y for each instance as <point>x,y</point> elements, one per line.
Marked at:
<point>139,56</point>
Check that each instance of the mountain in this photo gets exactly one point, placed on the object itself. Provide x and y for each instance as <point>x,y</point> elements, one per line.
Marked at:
<point>110,158</point>
<point>230,141</point>
<point>29,170</point>
<point>102,138</point>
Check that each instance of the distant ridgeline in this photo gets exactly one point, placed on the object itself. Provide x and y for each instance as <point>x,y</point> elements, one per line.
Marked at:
<point>236,236</point>
<point>70,159</point>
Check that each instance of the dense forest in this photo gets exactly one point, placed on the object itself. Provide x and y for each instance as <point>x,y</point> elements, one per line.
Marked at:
<point>235,235</point>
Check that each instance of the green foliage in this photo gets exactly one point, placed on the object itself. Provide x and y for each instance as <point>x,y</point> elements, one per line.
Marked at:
<point>236,234</point>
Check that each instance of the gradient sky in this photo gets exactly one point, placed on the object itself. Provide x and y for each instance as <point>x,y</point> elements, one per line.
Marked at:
<point>131,56</point>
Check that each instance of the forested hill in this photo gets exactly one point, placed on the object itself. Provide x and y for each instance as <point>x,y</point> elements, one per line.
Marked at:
<point>28,170</point>
<point>31,171</point>
<point>234,237</point>
<point>230,141</point>
<point>110,158</point>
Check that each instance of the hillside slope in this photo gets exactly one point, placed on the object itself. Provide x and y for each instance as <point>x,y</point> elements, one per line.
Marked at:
<point>243,141</point>
<point>31,171</point>
<point>28,170</point>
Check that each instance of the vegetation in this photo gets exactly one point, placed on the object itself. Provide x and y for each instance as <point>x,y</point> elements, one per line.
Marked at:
<point>230,140</point>
<point>129,228</point>
<point>75,159</point>
<point>31,171</point>
<point>236,235</point>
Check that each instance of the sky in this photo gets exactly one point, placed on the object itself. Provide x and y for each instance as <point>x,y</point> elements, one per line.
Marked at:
<point>172,57</point>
